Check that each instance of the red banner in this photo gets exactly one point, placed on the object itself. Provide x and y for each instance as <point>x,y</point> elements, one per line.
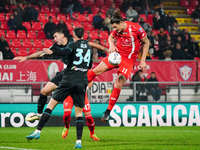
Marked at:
<point>198,70</point>
<point>164,70</point>
<point>28,71</point>
<point>43,71</point>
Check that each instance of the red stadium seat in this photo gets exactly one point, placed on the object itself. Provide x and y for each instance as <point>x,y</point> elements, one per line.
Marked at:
<point>82,2</point>
<point>21,34</point>
<point>90,17</point>
<point>89,2</point>
<point>27,43</point>
<point>82,18</point>
<point>16,43</point>
<point>4,26</point>
<point>109,2</point>
<point>118,2</point>
<point>184,3</point>
<point>57,2</point>
<point>31,34</point>
<point>194,3</point>
<point>142,16</point>
<point>99,2</point>
<point>77,24</point>
<point>52,15</point>
<point>45,9</point>
<point>104,9</point>
<point>22,52</point>
<point>32,50</point>
<point>2,33</point>
<point>2,18</point>
<point>55,9</point>
<point>190,10</point>
<point>27,25</point>
<point>12,7</point>
<point>10,34</point>
<point>36,26</point>
<point>94,35</point>
<point>59,16</point>
<point>14,51</point>
<point>47,43</point>
<point>7,16</point>
<point>103,35</point>
<point>51,2</point>
<point>95,9</point>
<point>88,26</point>
<point>69,25</point>
<point>37,43</point>
<point>42,17</point>
<point>41,34</point>
<point>85,36</point>
<point>103,16</point>
<point>150,19</point>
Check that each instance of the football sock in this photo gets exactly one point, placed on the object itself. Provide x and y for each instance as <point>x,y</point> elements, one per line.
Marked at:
<point>90,123</point>
<point>79,127</point>
<point>113,98</point>
<point>41,102</point>
<point>45,117</point>
<point>91,75</point>
<point>67,118</point>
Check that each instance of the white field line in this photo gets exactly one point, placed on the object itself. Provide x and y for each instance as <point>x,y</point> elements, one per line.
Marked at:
<point>2,147</point>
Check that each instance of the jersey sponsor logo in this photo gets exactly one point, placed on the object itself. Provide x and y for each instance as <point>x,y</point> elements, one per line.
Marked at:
<point>185,72</point>
<point>78,69</point>
<point>52,70</point>
<point>126,41</point>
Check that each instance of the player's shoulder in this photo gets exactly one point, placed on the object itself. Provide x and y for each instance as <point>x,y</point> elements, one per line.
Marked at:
<point>133,25</point>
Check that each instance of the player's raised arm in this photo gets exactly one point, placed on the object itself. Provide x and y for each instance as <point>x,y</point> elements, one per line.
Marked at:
<point>98,46</point>
<point>145,42</point>
<point>34,55</point>
<point>112,47</point>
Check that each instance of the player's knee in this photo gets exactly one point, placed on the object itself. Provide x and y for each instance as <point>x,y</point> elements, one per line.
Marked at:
<point>120,81</point>
<point>44,91</point>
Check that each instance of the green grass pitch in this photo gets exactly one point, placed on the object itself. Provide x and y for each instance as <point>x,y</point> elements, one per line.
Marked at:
<point>112,138</point>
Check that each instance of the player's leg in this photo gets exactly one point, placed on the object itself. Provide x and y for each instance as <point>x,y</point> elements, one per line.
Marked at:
<point>89,119</point>
<point>48,88</point>
<point>67,105</point>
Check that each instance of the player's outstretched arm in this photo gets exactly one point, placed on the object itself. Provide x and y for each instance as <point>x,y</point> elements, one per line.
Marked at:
<point>112,47</point>
<point>24,58</point>
<point>98,46</point>
<point>145,42</point>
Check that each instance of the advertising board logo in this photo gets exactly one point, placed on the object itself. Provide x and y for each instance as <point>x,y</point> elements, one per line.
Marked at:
<point>185,72</point>
<point>52,70</point>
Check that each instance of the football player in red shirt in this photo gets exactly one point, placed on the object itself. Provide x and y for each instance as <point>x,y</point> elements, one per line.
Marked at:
<point>130,38</point>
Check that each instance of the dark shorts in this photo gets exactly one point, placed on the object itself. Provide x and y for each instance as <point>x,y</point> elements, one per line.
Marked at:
<point>57,79</point>
<point>75,90</point>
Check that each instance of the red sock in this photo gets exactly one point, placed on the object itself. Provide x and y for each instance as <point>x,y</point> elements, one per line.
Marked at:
<point>91,75</point>
<point>90,123</point>
<point>67,118</point>
<point>113,98</point>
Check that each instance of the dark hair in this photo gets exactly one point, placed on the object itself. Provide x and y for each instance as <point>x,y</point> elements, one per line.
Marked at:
<point>79,32</point>
<point>116,17</point>
<point>60,30</point>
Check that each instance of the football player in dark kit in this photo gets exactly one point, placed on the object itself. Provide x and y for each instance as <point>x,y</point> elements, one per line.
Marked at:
<point>74,81</point>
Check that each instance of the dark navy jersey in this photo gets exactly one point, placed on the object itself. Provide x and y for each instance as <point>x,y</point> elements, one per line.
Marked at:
<point>79,61</point>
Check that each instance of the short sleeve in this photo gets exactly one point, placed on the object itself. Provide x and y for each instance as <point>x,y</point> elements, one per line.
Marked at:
<point>114,33</point>
<point>141,33</point>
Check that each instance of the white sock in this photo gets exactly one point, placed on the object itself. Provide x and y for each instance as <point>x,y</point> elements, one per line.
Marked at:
<point>78,141</point>
<point>37,131</point>
<point>40,115</point>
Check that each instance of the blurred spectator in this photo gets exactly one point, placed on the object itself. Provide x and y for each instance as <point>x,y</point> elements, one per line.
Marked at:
<point>18,19</point>
<point>162,35</point>
<point>3,7</point>
<point>173,35</point>
<point>156,46</point>
<point>98,22</point>
<point>158,22</point>
<point>170,21</point>
<point>107,22</point>
<point>12,24</point>
<point>176,28</point>
<point>137,5</point>
<point>188,54</point>
<point>185,36</point>
<point>111,10</point>
<point>13,2</point>
<point>100,52</point>
<point>178,52</point>
<point>141,91</point>
<point>179,40</point>
<point>61,24</point>
<point>148,7</point>
<point>154,87</point>
<point>152,36</point>
<point>49,27</point>
<point>89,39</point>
<point>167,55</point>
<point>131,14</point>
<point>196,14</point>
<point>145,26</point>
<point>78,7</point>
<point>67,7</point>
<point>3,43</point>
<point>194,47</point>
<point>161,11</point>
<point>166,45</point>
<point>125,5</point>
<point>39,2</point>
<point>30,13</point>
<point>20,10</point>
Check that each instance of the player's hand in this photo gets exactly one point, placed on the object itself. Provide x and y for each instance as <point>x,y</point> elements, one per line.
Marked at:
<point>47,51</point>
<point>112,48</point>
<point>20,58</point>
<point>143,66</point>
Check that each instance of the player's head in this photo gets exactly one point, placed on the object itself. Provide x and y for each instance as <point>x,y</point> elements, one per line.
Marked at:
<point>117,21</point>
<point>59,35</point>
<point>78,32</point>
